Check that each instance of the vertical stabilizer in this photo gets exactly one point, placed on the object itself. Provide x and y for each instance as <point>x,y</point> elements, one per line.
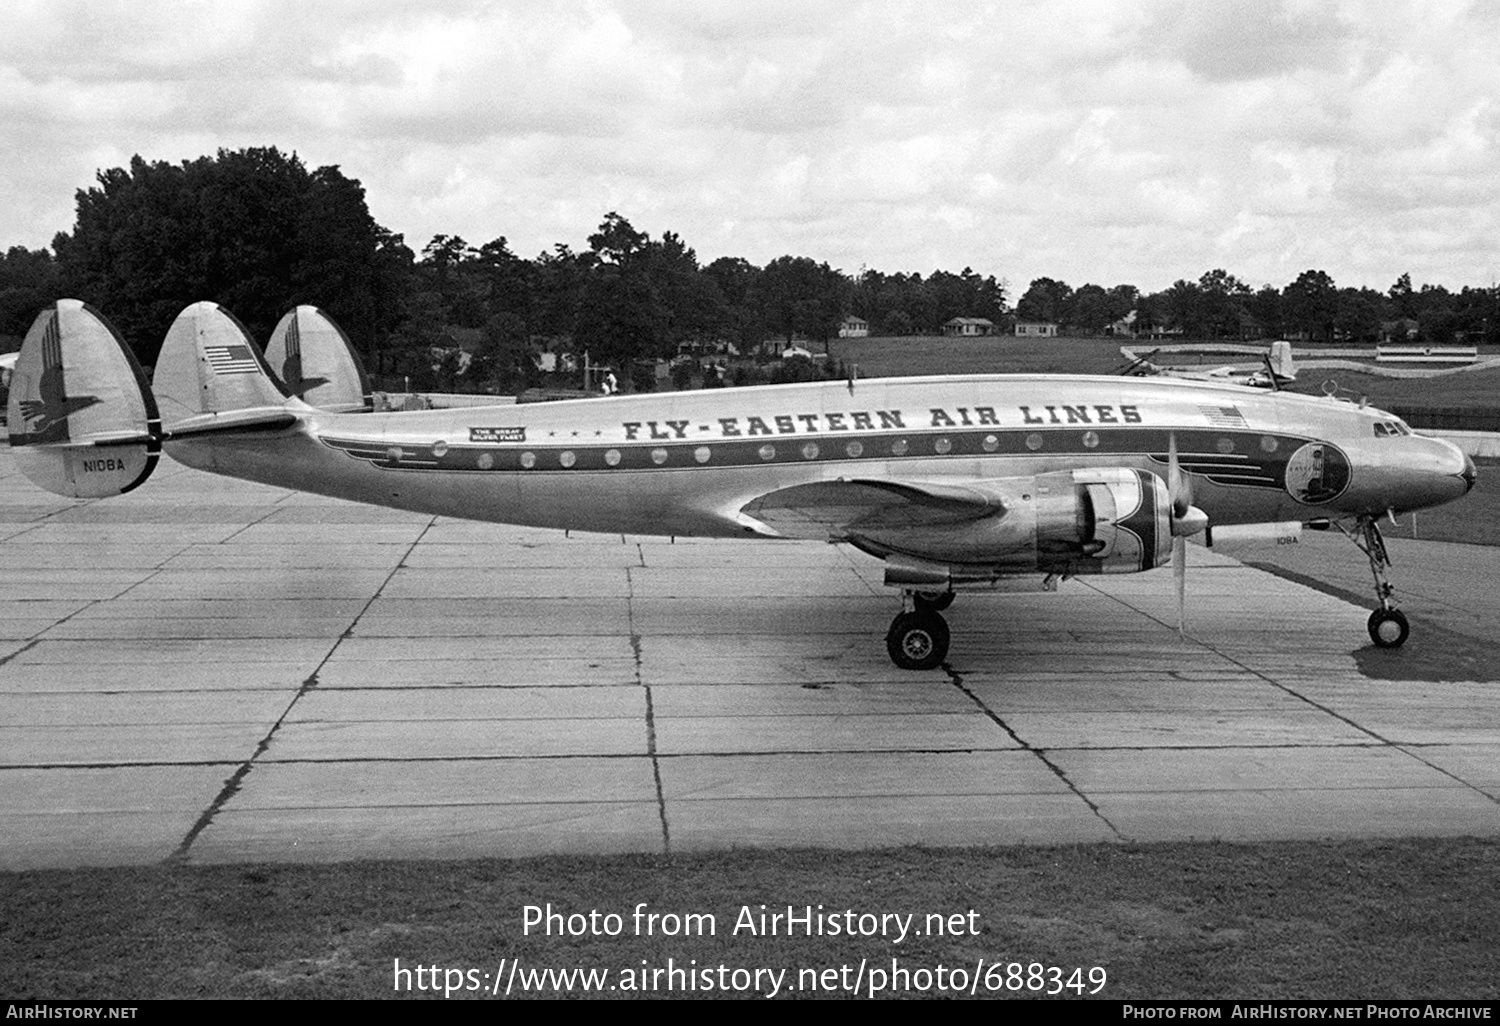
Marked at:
<point>1281,366</point>
<point>317,362</point>
<point>81,417</point>
<point>209,364</point>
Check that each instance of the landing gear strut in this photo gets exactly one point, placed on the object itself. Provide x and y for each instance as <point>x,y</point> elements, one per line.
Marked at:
<point>936,601</point>
<point>1388,626</point>
<point>918,640</point>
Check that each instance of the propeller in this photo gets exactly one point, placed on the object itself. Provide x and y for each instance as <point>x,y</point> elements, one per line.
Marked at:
<point>1187,519</point>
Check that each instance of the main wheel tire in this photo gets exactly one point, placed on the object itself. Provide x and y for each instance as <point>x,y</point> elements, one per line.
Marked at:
<point>932,601</point>
<point>1388,628</point>
<point>917,641</point>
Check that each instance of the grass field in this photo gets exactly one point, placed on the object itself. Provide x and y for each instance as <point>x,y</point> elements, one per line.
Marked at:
<point>1476,389</point>
<point>1474,519</point>
<point>1001,354</point>
<point>886,357</point>
<point>1407,919</point>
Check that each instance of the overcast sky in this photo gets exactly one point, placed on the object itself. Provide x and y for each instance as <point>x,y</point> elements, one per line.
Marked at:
<point>1112,141</point>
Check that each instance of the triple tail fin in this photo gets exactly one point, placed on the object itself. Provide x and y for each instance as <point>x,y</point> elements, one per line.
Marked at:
<point>82,419</point>
<point>84,422</point>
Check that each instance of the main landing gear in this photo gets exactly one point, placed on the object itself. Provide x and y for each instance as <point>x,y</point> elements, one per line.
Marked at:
<point>918,640</point>
<point>1388,626</point>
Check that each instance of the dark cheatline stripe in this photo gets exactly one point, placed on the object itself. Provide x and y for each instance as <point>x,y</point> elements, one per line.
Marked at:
<point>1250,463</point>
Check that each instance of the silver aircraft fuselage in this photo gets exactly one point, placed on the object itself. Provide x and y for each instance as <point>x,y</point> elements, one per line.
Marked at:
<point>686,463</point>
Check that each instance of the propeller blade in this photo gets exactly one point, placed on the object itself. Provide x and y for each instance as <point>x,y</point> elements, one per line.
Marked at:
<point>1179,572</point>
<point>1186,519</point>
<point>1178,487</point>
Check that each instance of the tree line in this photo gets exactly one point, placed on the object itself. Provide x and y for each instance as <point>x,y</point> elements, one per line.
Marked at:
<point>259,232</point>
<point>1219,305</point>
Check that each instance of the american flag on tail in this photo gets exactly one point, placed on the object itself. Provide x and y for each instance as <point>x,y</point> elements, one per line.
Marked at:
<point>231,359</point>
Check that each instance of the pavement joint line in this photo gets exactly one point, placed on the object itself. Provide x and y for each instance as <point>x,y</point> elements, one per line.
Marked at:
<point>1356,598</point>
<point>1041,754</point>
<point>855,568</point>
<point>560,756</point>
<point>91,603</point>
<point>635,648</point>
<point>1406,750</point>
<point>232,784</point>
<point>145,764</point>
<point>753,754</point>
<point>30,644</point>
<point>565,802</point>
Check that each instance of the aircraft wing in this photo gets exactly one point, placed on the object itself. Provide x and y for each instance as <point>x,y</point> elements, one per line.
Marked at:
<point>834,509</point>
<point>1089,520</point>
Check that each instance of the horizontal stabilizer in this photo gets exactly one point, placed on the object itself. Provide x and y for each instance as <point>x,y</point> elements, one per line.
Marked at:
<point>250,421</point>
<point>82,419</point>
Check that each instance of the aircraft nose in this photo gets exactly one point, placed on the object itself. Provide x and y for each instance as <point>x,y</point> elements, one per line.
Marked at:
<point>1469,474</point>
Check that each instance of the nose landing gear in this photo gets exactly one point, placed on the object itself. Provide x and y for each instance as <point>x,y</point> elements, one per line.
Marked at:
<point>1387,625</point>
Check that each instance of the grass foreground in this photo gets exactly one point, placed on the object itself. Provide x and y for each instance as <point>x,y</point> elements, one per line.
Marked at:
<point>1404,919</point>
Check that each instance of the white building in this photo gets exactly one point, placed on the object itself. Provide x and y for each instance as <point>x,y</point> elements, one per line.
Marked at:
<point>854,327</point>
<point>968,327</point>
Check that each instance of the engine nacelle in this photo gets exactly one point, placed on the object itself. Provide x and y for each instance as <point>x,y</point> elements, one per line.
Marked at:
<point>1132,521</point>
<point>1093,521</point>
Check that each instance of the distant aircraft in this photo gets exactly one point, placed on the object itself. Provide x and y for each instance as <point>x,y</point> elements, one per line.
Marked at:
<point>7,367</point>
<point>1279,370</point>
<point>956,483</point>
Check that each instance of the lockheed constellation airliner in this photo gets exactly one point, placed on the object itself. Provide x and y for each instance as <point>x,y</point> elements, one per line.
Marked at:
<point>1280,369</point>
<point>957,483</point>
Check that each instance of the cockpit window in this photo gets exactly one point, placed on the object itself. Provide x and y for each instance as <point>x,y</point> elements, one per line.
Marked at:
<point>1390,428</point>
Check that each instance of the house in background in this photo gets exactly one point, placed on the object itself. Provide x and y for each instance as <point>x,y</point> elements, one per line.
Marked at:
<point>968,327</point>
<point>1122,328</point>
<point>854,327</point>
<point>1036,329</point>
<point>1402,330</point>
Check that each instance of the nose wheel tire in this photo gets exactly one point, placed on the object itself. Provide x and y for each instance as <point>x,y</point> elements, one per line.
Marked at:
<point>1388,628</point>
<point>917,641</point>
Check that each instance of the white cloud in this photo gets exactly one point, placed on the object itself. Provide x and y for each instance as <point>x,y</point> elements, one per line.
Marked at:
<point>1140,140</point>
